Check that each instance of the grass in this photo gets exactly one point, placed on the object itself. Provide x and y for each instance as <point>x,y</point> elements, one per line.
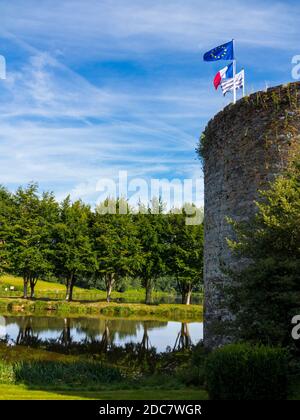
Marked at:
<point>21,392</point>
<point>39,374</point>
<point>175,312</point>
<point>24,353</point>
<point>57,374</point>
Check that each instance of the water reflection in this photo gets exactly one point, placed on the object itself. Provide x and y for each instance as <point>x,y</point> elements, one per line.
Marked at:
<point>102,334</point>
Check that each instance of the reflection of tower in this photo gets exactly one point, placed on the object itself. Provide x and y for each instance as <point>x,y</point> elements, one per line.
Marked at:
<point>183,340</point>
<point>65,338</point>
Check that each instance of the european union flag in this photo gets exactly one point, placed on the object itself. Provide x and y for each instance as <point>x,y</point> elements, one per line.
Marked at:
<point>223,52</point>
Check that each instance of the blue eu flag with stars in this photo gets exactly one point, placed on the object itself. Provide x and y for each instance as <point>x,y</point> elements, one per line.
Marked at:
<point>223,52</point>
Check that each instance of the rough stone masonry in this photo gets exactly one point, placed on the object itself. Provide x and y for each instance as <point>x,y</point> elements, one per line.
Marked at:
<point>243,148</point>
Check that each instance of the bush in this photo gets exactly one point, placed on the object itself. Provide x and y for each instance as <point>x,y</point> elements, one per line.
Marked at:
<point>245,372</point>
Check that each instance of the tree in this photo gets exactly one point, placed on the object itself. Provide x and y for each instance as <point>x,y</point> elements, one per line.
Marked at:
<point>29,236</point>
<point>73,253</point>
<point>185,254</point>
<point>265,295</point>
<point>116,243</point>
<point>151,223</point>
<point>6,203</point>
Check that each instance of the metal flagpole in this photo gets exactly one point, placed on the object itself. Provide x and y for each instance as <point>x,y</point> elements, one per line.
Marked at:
<point>234,72</point>
<point>244,84</point>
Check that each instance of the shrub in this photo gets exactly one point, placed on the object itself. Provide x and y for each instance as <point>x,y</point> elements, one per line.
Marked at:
<point>76,373</point>
<point>58,373</point>
<point>245,372</point>
<point>6,373</point>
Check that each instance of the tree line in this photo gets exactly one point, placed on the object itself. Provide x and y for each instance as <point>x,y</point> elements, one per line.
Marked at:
<point>42,238</point>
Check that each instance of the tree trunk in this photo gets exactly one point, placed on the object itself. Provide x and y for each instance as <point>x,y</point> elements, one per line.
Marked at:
<point>186,297</point>
<point>31,292</point>
<point>25,287</point>
<point>109,282</point>
<point>108,293</point>
<point>32,286</point>
<point>70,285</point>
<point>149,290</point>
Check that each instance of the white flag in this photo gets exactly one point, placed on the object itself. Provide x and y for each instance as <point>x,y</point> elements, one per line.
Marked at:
<point>227,84</point>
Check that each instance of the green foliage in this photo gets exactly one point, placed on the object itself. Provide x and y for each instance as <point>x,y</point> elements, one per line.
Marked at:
<point>193,373</point>
<point>28,235</point>
<point>185,254</point>
<point>245,372</point>
<point>7,375</point>
<point>116,243</point>
<point>5,215</point>
<point>151,223</point>
<point>200,150</point>
<point>108,248</point>
<point>58,373</point>
<point>73,251</point>
<point>265,295</point>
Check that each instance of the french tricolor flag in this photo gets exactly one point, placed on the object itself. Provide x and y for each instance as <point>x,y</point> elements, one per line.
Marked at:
<point>225,73</point>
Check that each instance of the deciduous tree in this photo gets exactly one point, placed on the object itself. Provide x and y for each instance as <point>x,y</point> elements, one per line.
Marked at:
<point>116,243</point>
<point>185,254</point>
<point>29,237</point>
<point>72,249</point>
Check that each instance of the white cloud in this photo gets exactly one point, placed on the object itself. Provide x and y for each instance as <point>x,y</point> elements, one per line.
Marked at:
<point>62,129</point>
<point>147,25</point>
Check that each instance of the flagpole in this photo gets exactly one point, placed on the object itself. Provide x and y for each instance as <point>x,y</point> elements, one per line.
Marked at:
<point>234,72</point>
<point>244,85</point>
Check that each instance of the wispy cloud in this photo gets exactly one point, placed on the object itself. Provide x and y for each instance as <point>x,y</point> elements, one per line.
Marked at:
<point>143,25</point>
<point>102,86</point>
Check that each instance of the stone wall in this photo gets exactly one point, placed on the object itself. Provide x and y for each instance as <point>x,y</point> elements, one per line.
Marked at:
<point>243,148</point>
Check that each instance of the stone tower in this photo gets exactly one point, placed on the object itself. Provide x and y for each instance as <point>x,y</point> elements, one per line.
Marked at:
<point>243,148</point>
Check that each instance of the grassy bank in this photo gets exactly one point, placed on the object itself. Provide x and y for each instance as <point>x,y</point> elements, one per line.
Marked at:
<point>174,312</point>
<point>39,374</point>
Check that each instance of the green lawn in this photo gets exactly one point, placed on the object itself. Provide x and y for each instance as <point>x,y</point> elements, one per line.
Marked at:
<point>21,392</point>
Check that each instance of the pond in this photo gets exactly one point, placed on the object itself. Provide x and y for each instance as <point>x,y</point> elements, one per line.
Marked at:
<point>42,331</point>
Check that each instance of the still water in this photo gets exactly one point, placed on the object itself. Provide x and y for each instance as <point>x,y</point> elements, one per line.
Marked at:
<point>36,331</point>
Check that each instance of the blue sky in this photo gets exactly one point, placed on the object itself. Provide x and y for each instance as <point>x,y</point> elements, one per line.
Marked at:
<point>98,86</point>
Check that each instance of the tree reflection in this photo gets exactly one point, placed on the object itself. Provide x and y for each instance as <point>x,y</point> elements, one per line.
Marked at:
<point>183,340</point>
<point>65,337</point>
<point>26,336</point>
<point>106,340</point>
<point>145,343</point>
<point>94,335</point>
